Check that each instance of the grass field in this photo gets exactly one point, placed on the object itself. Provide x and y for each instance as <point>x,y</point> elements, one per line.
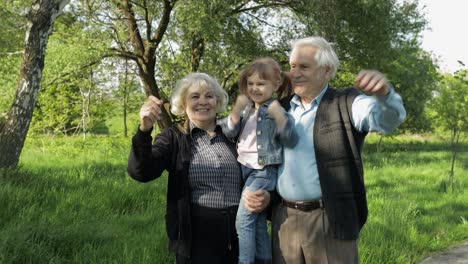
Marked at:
<point>72,202</point>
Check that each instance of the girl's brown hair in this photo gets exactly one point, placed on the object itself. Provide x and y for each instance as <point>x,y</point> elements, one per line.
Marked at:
<point>268,69</point>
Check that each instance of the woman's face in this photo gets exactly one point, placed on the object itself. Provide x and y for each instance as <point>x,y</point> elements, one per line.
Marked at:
<point>201,106</point>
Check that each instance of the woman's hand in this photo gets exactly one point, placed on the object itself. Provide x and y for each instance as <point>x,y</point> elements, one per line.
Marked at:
<point>256,201</point>
<point>149,113</point>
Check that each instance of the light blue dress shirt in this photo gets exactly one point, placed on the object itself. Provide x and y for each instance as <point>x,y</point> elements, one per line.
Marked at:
<point>298,175</point>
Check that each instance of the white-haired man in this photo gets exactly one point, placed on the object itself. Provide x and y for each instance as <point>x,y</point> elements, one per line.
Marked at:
<point>320,183</point>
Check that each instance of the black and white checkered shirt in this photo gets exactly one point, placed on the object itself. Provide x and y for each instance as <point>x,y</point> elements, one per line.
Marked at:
<point>214,174</point>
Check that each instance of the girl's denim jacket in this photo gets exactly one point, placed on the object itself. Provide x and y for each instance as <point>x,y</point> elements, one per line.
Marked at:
<point>269,140</point>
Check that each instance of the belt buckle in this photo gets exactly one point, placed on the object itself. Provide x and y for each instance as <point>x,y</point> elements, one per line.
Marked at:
<point>295,206</point>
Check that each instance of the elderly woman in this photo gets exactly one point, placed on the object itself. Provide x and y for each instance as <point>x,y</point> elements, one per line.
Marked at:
<point>204,183</point>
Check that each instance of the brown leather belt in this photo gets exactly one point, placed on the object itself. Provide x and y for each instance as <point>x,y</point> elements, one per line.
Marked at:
<point>304,205</point>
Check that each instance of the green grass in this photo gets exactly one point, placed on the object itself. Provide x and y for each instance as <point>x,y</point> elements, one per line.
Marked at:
<point>410,214</point>
<point>73,202</point>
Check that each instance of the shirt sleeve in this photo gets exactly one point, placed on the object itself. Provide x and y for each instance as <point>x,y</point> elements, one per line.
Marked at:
<point>147,161</point>
<point>378,113</point>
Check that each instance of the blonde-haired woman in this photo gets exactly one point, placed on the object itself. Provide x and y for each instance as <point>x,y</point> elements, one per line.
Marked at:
<point>204,181</point>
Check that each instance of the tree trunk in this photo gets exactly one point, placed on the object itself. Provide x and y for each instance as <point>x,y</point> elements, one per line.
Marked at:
<point>85,103</point>
<point>144,50</point>
<point>13,131</point>
<point>151,88</point>
<point>126,93</point>
<point>198,48</point>
<point>454,146</point>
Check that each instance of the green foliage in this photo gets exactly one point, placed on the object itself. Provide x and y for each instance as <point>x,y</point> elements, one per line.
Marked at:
<point>450,103</point>
<point>13,25</point>
<point>72,79</point>
<point>382,35</point>
<point>414,77</point>
<point>216,37</point>
<point>450,111</point>
<point>58,109</point>
<point>11,41</point>
<point>366,33</point>
<point>219,38</point>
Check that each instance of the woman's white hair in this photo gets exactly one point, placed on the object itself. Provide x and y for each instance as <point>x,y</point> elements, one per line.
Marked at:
<point>325,55</point>
<point>202,80</point>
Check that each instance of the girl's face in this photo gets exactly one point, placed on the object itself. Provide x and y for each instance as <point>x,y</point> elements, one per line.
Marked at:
<point>260,90</point>
<point>201,106</point>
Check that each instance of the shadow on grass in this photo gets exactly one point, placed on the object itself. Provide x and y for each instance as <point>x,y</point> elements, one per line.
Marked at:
<point>63,214</point>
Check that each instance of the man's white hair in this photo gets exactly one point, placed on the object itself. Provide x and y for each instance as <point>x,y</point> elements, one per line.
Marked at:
<point>325,55</point>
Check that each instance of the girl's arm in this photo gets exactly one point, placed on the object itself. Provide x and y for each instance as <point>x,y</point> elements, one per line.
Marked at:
<point>285,131</point>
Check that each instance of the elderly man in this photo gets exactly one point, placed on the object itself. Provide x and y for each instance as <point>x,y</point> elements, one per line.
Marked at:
<point>323,203</point>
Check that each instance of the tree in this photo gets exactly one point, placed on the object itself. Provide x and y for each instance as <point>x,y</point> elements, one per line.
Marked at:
<point>137,29</point>
<point>414,76</point>
<point>219,38</point>
<point>73,78</point>
<point>450,110</point>
<point>198,35</point>
<point>127,94</point>
<point>13,131</point>
<point>377,34</point>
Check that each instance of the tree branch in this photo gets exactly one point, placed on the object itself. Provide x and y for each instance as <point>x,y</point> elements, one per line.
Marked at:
<point>149,26</point>
<point>163,23</point>
<point>135,36</point>
<point>241,9</point>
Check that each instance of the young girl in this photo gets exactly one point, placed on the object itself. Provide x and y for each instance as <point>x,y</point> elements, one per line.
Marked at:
<point>262,128</point>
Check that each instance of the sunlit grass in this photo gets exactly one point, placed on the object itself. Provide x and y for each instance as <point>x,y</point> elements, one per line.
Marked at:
<point>71,201</point>
<point>410,214</point>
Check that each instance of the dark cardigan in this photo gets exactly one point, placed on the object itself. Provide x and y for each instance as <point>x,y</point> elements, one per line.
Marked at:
<point>338,152</point>
<point>171,151</point>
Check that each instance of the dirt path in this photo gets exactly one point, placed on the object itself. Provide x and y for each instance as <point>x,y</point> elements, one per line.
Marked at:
<point>453,255</point>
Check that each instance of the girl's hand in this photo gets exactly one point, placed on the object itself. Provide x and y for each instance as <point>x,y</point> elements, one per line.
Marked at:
<point>277,113</point>
<point>241,103</point>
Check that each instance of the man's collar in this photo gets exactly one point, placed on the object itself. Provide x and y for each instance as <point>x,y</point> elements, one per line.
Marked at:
<point>296,100</point>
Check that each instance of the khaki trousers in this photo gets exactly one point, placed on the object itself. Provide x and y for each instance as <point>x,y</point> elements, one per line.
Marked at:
<point>300,237</point>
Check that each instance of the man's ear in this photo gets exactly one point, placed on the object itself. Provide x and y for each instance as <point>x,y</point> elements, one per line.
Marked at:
<point>328,72</point>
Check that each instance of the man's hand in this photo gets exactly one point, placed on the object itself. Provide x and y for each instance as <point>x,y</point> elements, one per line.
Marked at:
<point>150,113</point>
<point>372,82</point>
<point>256,201</point>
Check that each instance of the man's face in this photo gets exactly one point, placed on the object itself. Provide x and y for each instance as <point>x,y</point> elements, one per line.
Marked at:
<point>307,78</point>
